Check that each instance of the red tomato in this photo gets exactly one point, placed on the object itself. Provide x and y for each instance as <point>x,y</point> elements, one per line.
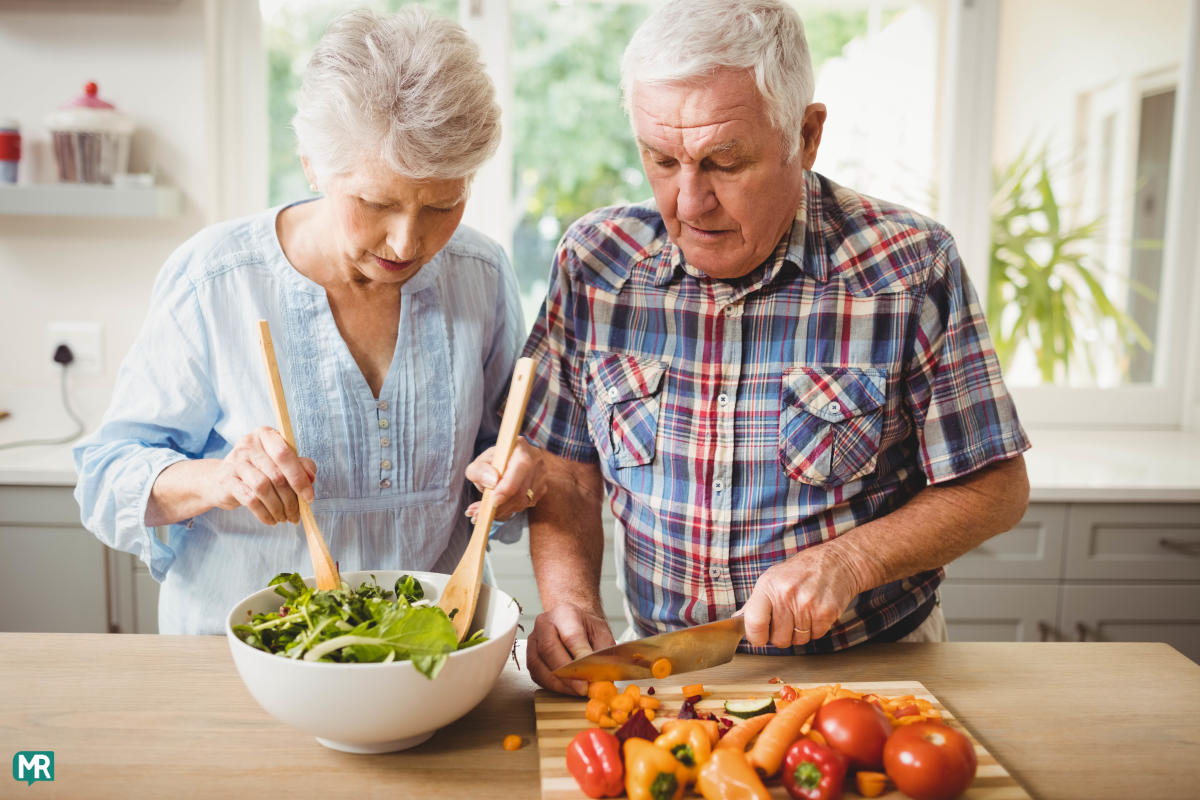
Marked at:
<point>929,761</point>
<point>856,729</point>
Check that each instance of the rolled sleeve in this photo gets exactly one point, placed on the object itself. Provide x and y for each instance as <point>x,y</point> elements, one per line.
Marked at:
<point>556,417</point>
<point>964,415</point>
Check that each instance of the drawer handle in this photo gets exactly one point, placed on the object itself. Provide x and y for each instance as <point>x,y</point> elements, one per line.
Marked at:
<point>1187,548</point>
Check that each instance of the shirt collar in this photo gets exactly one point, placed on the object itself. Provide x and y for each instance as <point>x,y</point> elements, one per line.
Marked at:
<point>790,251</point>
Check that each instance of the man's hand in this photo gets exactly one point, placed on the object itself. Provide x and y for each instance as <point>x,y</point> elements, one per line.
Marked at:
<point>559,636</point>
<point>801,598</point>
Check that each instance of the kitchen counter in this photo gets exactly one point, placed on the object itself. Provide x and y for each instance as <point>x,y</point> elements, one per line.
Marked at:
<point>167,716</point>
<point>1064,466</point>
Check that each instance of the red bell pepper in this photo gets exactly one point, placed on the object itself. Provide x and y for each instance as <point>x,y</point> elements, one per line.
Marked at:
<point>594,761</point>
<point>813,771</point>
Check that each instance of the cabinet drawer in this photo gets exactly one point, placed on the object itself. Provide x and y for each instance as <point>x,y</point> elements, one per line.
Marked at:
<point>999,612</point>
<point>1033,550</point>
<point>1134,613</point>
<point>39,505</point>
<point>53,579</point>
<point>1133,542</point>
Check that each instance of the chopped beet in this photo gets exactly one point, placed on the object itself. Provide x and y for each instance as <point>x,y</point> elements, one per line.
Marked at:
<point>650,690</point>
<point>637,727</point>
<point>688,709</point>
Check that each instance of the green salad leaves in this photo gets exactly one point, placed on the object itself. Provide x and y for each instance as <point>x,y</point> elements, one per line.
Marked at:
<point>367,624</point>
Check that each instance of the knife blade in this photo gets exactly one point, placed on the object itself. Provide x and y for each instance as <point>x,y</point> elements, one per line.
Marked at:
<point>688,649</point>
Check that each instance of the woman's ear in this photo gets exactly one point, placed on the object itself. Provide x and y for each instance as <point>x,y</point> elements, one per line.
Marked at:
<point>309,174</point>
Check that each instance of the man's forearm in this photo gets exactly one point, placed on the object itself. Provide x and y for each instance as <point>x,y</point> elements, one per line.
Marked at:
<point>938,525</point>
<point>566,536</point>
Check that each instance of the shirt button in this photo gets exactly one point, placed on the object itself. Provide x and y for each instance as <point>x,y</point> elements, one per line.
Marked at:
<point>385,484</point>
<point>734,310</point>
<point>714,571</point>
<point>723,399</point>
<point>385,441</point>
<point>381,405</point>
<point>835,407</point>
<point>613,394</point>
<point>383,423</point>
<point>718,485</point>
<point>385,464</point>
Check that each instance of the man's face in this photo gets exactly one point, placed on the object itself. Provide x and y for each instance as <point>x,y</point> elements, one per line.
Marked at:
<point>719,170</point>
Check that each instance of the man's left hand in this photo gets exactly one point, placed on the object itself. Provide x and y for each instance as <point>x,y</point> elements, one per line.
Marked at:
<point>800,599</point>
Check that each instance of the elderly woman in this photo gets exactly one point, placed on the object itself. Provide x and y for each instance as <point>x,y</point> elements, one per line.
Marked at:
<point>396,330</point>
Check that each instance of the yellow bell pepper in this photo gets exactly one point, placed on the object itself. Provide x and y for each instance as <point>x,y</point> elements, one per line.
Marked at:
<point>652,773</point>
<point>729,776</point>
<point>688,741</point>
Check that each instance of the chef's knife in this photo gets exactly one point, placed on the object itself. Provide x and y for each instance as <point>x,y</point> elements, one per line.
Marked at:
<point>689,649</point>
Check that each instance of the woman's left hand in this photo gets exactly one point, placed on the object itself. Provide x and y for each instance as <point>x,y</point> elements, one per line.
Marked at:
<point>523,483</point>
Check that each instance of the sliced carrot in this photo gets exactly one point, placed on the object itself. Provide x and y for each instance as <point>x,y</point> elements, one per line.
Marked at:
<point>649,703</point>
<point>607,722</point>
<point>737,737</point>
<point>634,691</point>
<point>692,689</point>
<point>512,742</point>
<point>620,715</point>
<point>649,713</point>
<point>595,710</point>
<point>623,702</point>
<point>661,668</point>
<point>768,752</point>
<point>870,784</point>
<point>818,737</point>
<point>602,690</point>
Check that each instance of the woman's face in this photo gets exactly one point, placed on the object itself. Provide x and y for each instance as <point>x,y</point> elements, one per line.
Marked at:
<point>387,226</point>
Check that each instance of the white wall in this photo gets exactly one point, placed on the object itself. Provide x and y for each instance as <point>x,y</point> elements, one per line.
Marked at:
<point>149,60</point>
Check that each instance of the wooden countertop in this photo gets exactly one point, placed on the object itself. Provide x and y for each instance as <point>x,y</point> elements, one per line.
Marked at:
<point>167,716</point>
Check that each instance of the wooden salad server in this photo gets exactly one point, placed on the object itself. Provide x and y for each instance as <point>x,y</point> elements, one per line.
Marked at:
<point>462,591</point>
<point>324,568</point>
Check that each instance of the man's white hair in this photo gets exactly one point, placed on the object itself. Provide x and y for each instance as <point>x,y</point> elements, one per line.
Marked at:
<point>685,41</point>
<point>409,88</point>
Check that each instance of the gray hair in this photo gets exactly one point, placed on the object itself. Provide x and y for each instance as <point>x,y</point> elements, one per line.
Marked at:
<point>684,41</point>
<point>410,87</point>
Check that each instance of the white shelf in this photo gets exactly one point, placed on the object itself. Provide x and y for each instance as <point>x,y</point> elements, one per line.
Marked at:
<point>90,200</point>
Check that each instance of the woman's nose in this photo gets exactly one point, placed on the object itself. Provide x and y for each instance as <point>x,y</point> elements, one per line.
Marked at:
<point>696,197</point>
<point>403,237</point>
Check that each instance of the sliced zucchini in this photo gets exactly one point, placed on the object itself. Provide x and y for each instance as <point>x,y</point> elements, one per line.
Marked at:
<point>749,708</point>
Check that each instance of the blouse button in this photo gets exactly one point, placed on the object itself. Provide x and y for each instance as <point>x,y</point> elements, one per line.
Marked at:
<point>381,405</point>
<point>385,441</point>
<point>385,484</point>
<point>383,423</point>
<point>385,464</point>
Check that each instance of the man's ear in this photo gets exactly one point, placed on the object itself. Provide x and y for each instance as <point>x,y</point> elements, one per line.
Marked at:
<point>810,133</point>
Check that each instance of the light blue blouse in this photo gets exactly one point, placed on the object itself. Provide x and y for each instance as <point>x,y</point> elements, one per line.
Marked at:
<point>390,491</point>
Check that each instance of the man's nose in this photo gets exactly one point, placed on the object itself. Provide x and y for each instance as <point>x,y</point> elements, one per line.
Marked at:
<point>696,197</point>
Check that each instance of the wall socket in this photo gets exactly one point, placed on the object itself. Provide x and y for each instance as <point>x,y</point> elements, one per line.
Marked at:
<point>86,343</point>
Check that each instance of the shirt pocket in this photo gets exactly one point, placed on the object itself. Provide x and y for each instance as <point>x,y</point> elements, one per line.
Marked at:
<point>831,424</point>
<point>623,406</point>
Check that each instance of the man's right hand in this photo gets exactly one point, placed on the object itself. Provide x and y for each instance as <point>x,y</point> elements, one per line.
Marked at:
<point>561,635</point>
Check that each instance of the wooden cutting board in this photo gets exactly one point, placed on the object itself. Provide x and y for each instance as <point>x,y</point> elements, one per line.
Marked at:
<point>559,718</point>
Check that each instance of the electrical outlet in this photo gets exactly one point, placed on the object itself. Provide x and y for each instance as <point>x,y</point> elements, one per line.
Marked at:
<point>85,341</point>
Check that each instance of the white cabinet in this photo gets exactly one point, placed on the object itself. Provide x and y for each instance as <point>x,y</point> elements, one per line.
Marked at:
<point>1083,571</point>
<point>55,576</point>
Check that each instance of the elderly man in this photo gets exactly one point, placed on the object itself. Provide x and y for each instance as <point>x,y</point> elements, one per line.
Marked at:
<point>786,389</point>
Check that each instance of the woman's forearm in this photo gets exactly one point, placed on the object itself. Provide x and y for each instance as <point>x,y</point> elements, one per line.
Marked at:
<point>182,491</point>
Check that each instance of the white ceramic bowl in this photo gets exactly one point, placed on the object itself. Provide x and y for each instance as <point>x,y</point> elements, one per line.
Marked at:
<point>376,708</point>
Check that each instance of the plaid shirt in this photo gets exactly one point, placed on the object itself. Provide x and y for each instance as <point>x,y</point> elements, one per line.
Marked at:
<point>738,422</point>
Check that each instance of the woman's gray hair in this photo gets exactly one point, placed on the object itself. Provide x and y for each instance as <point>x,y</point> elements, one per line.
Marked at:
<point>688,40</point>
<point>409,87</point>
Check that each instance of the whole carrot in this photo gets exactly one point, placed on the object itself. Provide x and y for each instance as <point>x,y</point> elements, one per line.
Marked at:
<point>737,737</point>
<point>768,752</point>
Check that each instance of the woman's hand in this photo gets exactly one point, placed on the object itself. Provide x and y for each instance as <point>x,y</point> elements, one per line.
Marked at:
<point>523,483</point>
<point>266,476</point>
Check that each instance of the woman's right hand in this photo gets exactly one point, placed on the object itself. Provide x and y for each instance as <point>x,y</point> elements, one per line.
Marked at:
<point>266,476</point>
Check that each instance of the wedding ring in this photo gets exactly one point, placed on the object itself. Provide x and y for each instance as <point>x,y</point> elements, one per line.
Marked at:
<point>801,630</point>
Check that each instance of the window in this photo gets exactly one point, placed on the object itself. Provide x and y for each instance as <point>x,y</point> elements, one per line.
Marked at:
<point>1000,118</point>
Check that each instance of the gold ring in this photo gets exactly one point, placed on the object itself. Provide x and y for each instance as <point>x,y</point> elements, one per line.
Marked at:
<point>801,630</point>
